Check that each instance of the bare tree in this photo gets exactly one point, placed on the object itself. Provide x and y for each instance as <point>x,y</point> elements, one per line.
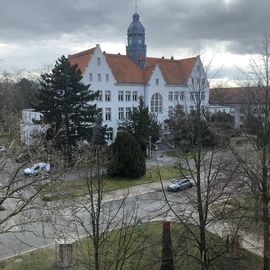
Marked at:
<point>255,164</point>
<point>107,222</point>
<point>211,170</point>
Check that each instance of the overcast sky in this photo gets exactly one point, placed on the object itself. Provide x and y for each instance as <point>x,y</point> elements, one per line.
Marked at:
<point>34,33</point>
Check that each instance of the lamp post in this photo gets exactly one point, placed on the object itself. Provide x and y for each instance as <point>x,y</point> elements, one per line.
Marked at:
<point>150,148</point>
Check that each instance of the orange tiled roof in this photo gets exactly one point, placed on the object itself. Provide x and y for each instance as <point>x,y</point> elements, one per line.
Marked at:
<point>175,72</point>
<point>81,59</point>
<point>232,95</point>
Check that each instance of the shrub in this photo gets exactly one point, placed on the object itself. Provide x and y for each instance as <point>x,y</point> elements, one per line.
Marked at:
<point>127,157</point>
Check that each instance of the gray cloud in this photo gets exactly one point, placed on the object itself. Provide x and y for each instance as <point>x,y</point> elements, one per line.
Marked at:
<point>169,24</point>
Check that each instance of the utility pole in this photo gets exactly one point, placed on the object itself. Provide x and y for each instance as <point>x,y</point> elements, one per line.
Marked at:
<point>150,148</point>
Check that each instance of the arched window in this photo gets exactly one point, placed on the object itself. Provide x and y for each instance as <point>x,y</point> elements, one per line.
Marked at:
<point>156,103</point>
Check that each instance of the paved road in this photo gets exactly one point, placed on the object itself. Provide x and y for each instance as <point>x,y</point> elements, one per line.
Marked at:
<point>145,202</point>
<point>145,206</point>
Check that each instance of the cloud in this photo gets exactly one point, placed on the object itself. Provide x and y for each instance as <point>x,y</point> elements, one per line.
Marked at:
<point>47,29</point>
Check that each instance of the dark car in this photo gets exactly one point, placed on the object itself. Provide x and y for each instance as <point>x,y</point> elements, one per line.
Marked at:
<point>179,184</point>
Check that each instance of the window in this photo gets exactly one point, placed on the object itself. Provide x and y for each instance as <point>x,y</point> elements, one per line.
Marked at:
<point>156,103</point>
<point>198,68</point>
<point>170,111</point>
<point>176,96</point>
<point>110,134</point>
<point>108,114</point>
<point>90,77</point>
<point>128,95</point>
<point>192,80</point>
<point>107,95</point>
<point>100,113</point>
<point>99,77</point>
<point>135,96</point>
<point>120,95</point>
<point>128,110</point>
<point>98,61</point>
<point>191,108</point>
<point>182,95</point>
<point>198,81</point>
<point>157,82</point>
<point>170,97</point>
<point>120,113</point>
<point>107,77</point>
<point>191,96</point>
<point>197,96</point>
<point>99,98</point>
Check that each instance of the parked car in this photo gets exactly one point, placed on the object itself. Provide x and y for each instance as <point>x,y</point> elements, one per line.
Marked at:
<point>38,168</point>
<point>179,184</point>
<point>3,148</point>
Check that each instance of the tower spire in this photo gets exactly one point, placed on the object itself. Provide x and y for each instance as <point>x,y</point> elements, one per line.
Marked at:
<point>136,48</point>
<point>136,6</point>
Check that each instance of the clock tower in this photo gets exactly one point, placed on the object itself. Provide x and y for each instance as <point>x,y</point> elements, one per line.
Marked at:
<point>136,48</point>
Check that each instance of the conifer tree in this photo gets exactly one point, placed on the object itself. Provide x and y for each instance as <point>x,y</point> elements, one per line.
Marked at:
<point>64,101</point>
<point>127,157</point>
<point>142,124</point>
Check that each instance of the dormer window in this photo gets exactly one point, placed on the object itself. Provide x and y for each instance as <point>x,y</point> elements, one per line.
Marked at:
<point>98,61</point>
<point>107,77</point>
<point>99,77</point>
<point>90,77</point>
<point>157,82</point>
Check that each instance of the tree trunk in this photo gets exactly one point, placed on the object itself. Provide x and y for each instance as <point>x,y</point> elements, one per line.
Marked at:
<point>266,255</point>
<point>167,254</point>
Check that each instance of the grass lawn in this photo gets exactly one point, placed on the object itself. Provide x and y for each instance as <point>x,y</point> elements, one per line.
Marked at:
<point>77,187</point>
<point>241,140</point>
<point>145,249</point>
<point>241,212</point>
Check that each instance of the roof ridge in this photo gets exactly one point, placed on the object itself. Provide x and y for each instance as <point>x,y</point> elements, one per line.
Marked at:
<point>82,53</point>
<point>169,59</point>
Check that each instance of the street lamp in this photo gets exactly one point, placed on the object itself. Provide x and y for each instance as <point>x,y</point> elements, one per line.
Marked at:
<point>150,148</point>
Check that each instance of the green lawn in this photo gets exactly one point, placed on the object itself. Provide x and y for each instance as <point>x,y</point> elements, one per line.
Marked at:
<point>238,141</point>
<point>77,187</point>
<point>241,212</point>
<point>145,250</point>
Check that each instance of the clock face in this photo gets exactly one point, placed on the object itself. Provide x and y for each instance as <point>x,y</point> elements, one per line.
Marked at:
<point>130,40</point>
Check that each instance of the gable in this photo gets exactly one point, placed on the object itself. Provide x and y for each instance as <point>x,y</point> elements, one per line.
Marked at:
<point>124,70</point>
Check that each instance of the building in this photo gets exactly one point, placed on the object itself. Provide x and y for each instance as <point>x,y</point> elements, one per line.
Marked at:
<point>30,125</point>
<point>234,100</point>
<point>121,79</point>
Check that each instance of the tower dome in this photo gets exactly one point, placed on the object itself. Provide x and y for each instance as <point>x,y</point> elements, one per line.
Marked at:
<point>136,48</point>
<point>136,26</point>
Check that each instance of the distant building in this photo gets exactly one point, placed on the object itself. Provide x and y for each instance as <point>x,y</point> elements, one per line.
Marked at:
<point>121,79</point>
<point>234,100</point>
<point>30,125</point>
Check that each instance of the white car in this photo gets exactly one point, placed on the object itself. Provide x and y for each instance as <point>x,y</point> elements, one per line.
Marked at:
<point>3,148</point>
<point>38,168</point>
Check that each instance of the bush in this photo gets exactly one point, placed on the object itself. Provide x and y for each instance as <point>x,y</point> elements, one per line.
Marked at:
<point>127,157</point>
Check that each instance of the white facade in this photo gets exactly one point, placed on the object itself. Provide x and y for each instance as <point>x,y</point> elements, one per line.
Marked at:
<point>29,127</point>
<point>217,108</point>
<point>116,98</point>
